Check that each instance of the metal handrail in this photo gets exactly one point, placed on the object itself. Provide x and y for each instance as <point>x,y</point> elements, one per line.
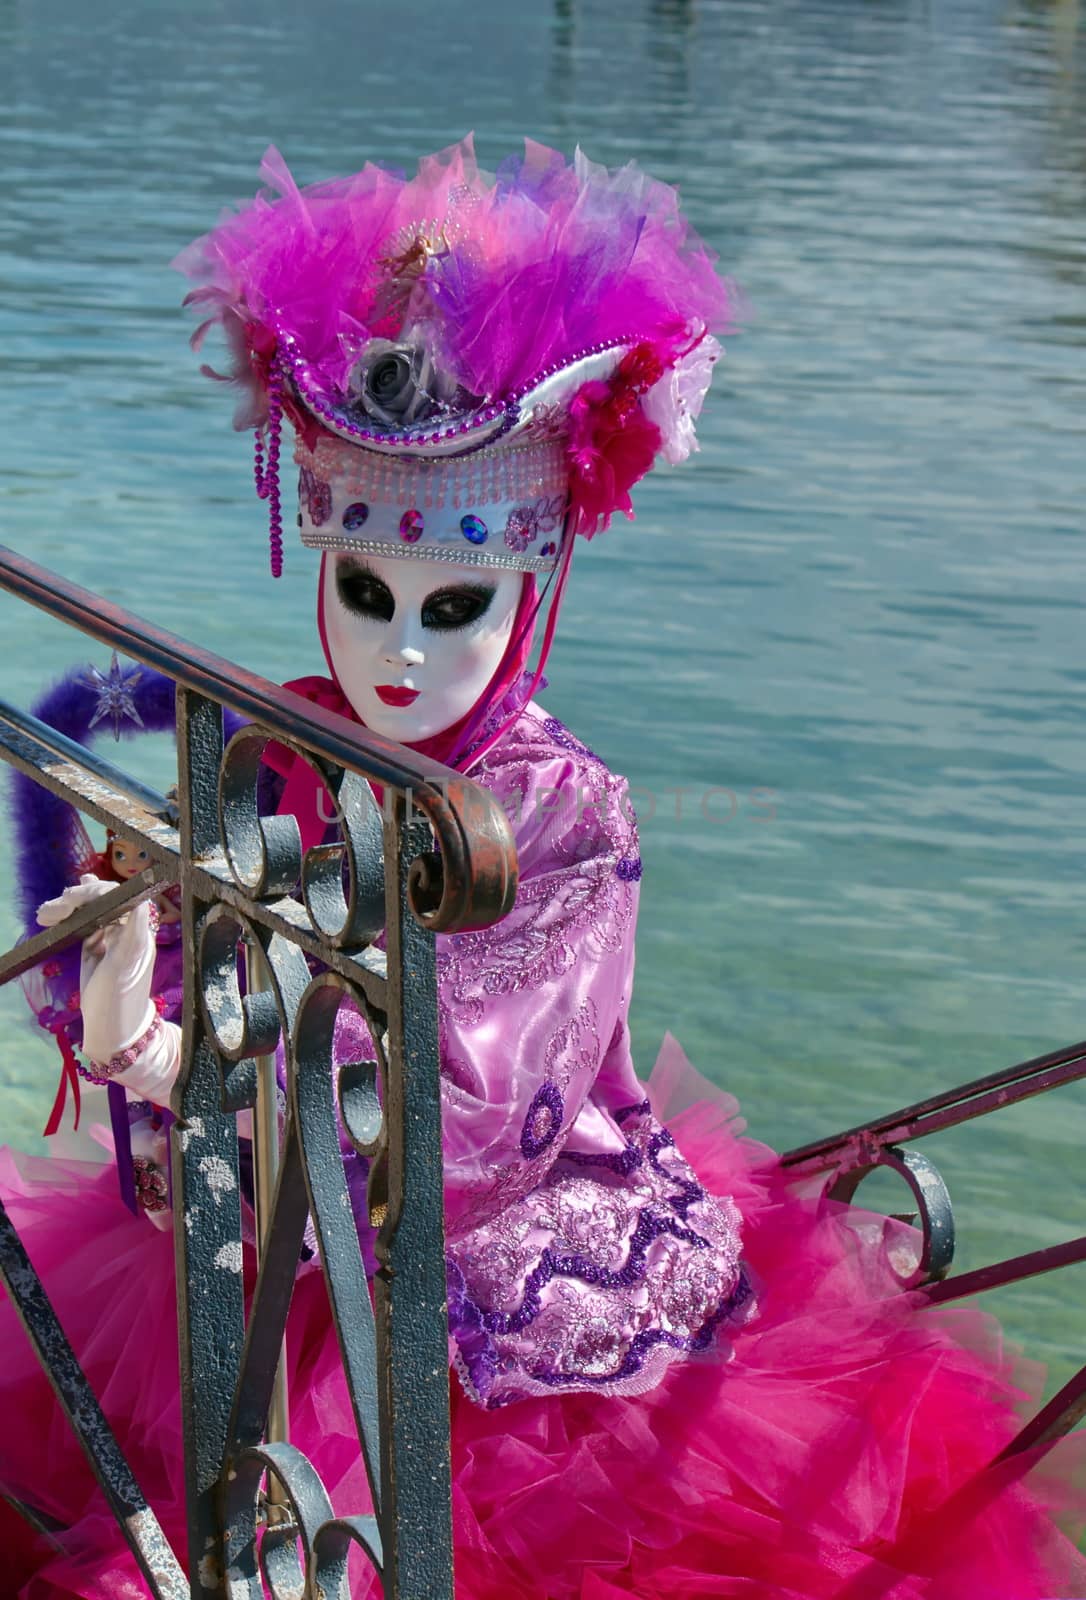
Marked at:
<point>951,1107</point>
<point>471,884</point>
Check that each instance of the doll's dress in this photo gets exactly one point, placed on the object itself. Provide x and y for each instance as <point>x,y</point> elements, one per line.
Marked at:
<point>677,1374</point>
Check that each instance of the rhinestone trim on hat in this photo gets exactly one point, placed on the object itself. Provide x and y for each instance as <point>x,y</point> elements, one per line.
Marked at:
<point>460,555</point>
<point>516,472</point>
<point>466,432</point>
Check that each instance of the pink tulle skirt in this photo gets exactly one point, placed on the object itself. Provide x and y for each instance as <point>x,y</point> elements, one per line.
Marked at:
<point>817,1462</point>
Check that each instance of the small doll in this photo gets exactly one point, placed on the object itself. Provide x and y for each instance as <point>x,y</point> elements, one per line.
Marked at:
<point>121,859</point>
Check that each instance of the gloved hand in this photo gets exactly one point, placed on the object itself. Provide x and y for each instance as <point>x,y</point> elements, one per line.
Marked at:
<point>123,1034</point>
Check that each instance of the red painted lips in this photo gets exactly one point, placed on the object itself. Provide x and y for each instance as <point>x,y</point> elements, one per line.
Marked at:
<point>390,695</point>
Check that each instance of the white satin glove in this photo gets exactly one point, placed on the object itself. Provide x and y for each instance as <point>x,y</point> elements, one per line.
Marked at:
<point>123,1034</point>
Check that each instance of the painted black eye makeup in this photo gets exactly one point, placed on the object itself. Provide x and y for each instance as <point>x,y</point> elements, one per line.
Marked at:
<point>458,606</point>
<point>362,592</point>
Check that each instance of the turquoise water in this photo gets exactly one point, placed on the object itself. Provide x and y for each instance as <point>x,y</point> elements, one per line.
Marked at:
<point>864,596</point>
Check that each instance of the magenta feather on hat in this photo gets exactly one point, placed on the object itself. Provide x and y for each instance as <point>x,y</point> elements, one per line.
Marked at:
<point>499,288</point>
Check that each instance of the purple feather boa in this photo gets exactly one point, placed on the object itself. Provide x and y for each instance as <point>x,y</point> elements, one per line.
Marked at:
<point>49,841</point>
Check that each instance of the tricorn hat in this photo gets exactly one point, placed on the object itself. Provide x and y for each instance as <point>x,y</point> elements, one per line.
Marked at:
<point>474,365</point>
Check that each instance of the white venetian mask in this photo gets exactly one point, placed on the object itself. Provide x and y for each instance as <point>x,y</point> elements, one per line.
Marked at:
<point>413,643</point>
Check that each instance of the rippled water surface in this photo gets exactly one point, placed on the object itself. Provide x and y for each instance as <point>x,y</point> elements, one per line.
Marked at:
<point>839,655</point>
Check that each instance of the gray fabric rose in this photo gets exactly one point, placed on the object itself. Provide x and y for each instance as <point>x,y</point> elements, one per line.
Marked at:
<point>398,386</point>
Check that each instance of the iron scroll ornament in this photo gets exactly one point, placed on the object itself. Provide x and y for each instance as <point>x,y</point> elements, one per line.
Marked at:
<point>936,1214</point>
<point>471,881</point>
<point>471,874</point>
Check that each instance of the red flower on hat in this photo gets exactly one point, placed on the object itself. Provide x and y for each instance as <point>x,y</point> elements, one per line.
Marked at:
<point>612,444</point>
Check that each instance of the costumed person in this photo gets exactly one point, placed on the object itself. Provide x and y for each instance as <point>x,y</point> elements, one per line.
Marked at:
<point>677,1373</point>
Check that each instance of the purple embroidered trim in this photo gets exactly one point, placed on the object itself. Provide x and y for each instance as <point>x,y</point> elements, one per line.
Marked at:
<point>479,1353</point>
<point>130,1054</point>
<point>628,868</point>
<point>546,1108</point>
<point>477,1331</point>
<point>626,1161</point>
<point>649,1227</point>
<point>689,1192</point>
<point>562,736</point>
<point>641,1343</point>
<point>476,1347</point>
<point>623,1162</point>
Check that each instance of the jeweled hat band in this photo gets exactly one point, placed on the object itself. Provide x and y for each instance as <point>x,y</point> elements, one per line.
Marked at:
<point>503,508</point>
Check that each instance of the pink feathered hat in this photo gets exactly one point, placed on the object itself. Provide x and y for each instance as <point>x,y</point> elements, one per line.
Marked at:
<point>473,364</point>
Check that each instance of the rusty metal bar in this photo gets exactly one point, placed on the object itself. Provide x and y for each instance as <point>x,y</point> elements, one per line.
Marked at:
<point>265,1173</point>
<point>288,919</point>
<point>960,1104</point>
<point>137,1521</point>
<point>267,1317</point>
<point>68,750</point>
<point>211,877</point>
<point>930,1195</point>
<point>314,1115</point>
<point>245,883</point>
<point>409,1295</point>
<point>206,1198</point>
<point>1014,1270</point>
<point>1053,1421</point>
<point>103,791</point>
<point>75,928</point>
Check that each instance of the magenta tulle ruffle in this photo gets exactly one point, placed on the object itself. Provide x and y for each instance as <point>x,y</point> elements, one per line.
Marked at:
<point>813,1464</point>
<point>532,266</point>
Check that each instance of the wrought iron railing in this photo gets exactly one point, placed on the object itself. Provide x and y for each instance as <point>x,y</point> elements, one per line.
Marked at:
<point>436,855</point>
<point>844,1160</point>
